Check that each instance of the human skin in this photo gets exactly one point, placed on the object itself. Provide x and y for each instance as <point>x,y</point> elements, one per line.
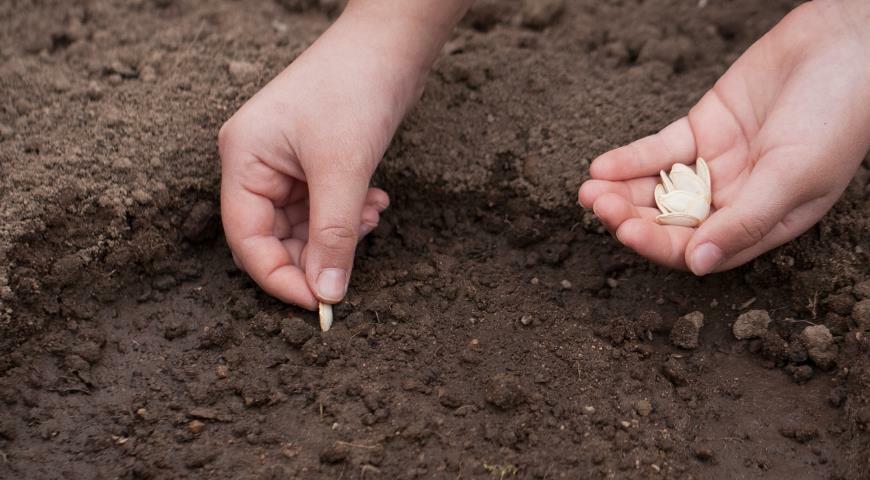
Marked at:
<point>783,132</point>
<point>297,158</point>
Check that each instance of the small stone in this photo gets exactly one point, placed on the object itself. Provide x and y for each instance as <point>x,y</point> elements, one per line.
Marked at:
<point>751,324</point>
<point>222,371</point>
<point>242,72</point>
<point>540,14</point>
<point>820,345</point>
<point>335,453</point>
<point>566,285</point>
<point>196,427</point>
<point>504,391</point>
<point>861,290</point>
<point>686,330</point>
<point>861,314</point>
<point>526,320</point>
<point>295,331</point>
<point>802,373</point>
<point>643,407</point>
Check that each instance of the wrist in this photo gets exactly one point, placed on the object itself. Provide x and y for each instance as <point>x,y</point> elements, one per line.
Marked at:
<point>406,36</point>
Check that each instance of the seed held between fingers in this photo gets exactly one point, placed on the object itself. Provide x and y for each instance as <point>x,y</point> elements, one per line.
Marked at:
<point>325,311</point>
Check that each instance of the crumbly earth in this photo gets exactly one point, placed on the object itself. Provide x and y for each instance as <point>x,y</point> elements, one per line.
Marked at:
<point>493,330</point>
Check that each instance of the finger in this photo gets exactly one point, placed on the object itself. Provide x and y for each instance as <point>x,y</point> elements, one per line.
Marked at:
<point>378,198</point>
<point>369,221</point>
<point>282,227</point>
<point>236,261</point>
<point>337,199</point>
<point>614,209</point>
<point>663,244</point>
<point>793,225</point>
<point>647,156</point>
<point>270,264</point>
<point>249,219</point>
<point>765,199</point>
<point>294,248</point>
<point>638,191</point>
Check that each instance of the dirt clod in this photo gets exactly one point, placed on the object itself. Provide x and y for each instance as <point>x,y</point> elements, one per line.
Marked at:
<point>540,14</point>
<point>861,314</point>
<point>335,453</point>
<point>752,324</point>
<point>242,72</point>
<point>296,331</point>
<point>820,345</point>
<point>686,330</point>
<point>504,391</point>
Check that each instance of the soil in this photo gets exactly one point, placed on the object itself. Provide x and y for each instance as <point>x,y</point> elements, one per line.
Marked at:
<point>499,334</point>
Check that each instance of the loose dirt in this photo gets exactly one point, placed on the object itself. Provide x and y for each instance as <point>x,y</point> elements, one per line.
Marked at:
<point>493,329</point>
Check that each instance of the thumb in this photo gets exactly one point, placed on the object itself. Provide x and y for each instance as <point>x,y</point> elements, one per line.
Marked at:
<point>762,202</point>
<point>336,203</point>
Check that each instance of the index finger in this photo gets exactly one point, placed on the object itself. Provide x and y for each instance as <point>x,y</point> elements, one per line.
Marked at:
<point>647,156</point>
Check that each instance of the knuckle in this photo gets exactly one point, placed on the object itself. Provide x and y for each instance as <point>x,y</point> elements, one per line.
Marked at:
<point>753,230</point>
<point>337,238</point>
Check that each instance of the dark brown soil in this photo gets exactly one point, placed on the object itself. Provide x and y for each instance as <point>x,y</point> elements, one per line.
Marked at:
<point>493,330</point>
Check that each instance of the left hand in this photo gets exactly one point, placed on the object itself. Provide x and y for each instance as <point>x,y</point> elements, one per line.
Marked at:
<point>783,132</point>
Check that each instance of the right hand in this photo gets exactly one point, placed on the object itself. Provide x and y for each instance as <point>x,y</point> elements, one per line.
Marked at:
<point>296,161</point>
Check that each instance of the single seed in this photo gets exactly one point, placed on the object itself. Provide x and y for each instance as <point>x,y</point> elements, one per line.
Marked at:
<point>325,310</point>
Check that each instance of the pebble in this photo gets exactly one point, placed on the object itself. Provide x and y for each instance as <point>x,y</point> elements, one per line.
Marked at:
<point>566,285</point>
<point>751,324</point>
<point>820,345</point>
<point>526,320</point>
<point>540,14</point>
<point>222,371</point>
<point>686,330</point>
<point>196,427</point>
<point>802,373</point>
<point>643,407</point>
<point>861,314</point>
<point>335,453</point>
<point>504,391</point>
<point>242,72</point>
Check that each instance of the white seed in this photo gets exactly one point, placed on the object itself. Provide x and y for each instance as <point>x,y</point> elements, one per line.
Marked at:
<point>325,311</point>
<point>684,196</point>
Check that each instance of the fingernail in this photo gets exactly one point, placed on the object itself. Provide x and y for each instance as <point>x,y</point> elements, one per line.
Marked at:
<point>332,284</point>
<point>705,258</point>
<point>365,229</point>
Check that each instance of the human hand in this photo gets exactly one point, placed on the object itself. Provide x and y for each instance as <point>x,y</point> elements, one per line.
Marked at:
<point>783,132</point>
<point>297,158</point>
